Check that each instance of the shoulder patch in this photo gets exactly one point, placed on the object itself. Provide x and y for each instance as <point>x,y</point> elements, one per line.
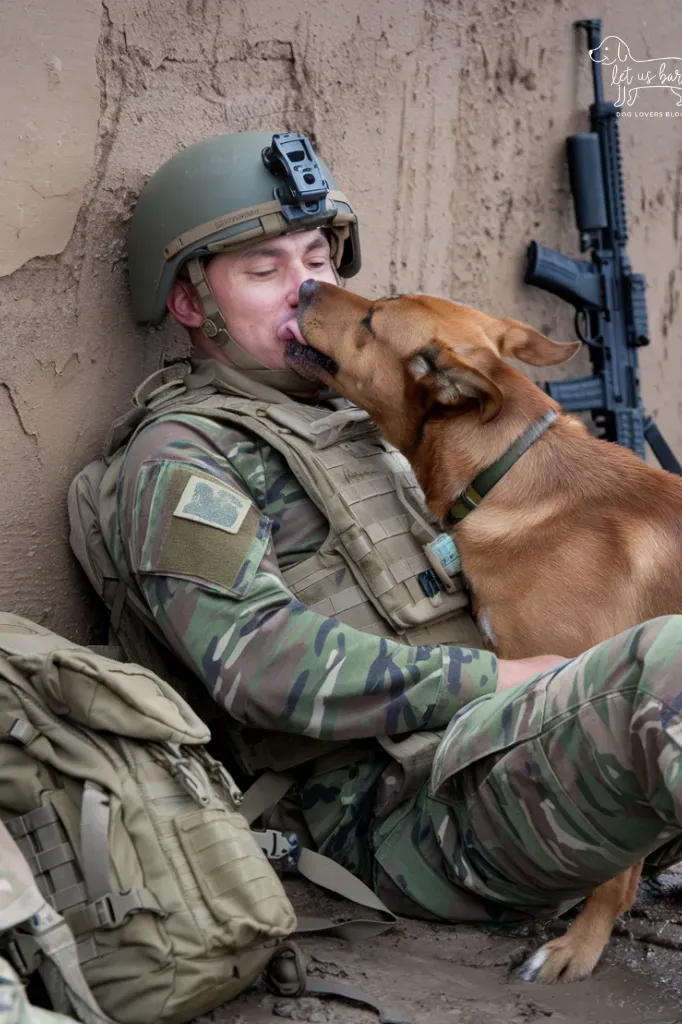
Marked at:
<point>215,504</point>
<point>204,529</point>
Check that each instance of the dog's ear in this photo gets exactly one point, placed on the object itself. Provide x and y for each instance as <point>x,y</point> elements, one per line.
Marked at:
<point>451,377</point>
<point>517,340</point>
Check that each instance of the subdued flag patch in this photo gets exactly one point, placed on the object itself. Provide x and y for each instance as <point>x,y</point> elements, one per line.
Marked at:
<point>212,503</point>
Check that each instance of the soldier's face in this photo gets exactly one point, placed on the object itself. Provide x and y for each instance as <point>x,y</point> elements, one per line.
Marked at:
<point>257,290</point>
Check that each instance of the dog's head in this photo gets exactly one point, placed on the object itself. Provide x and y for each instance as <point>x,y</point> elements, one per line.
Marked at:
<point>610,50</point>
<point>413,353</point>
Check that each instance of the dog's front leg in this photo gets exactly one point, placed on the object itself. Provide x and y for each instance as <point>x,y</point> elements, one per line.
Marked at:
<point>574,955</point>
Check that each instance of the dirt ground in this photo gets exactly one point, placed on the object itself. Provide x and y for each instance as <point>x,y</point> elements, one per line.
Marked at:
<point>436,974</point>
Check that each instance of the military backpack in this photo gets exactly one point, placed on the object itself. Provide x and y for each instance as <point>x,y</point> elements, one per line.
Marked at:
<point>132,831</point>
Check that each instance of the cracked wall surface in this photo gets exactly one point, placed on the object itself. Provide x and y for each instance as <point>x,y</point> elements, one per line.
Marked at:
<point>444,120</point>
<point>50,100</point>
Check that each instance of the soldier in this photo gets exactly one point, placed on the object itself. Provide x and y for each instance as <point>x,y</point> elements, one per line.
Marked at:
<point>270,538</point>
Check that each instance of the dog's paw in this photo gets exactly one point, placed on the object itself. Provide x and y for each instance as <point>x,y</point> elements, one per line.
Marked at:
<point>562,959</point>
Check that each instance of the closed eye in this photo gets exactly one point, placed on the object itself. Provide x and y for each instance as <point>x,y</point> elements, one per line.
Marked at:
<point>367,322</point>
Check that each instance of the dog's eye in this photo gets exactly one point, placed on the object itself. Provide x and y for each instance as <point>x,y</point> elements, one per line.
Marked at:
<point>367,322</point>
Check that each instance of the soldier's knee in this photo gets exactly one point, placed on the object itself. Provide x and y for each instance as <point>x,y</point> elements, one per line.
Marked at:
<point>663,634</point>
<point>646,657</point>
<point>658,651</point>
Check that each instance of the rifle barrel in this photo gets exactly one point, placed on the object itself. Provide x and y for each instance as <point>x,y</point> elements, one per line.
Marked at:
<point>593,29</point>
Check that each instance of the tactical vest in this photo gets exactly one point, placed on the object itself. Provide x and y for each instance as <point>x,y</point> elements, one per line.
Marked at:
<point>379,526</point>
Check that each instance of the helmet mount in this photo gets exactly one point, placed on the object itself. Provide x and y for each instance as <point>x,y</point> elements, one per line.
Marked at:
<point>304,190</point>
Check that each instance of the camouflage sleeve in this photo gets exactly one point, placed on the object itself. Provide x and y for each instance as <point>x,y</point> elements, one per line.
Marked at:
<point>201,550</point>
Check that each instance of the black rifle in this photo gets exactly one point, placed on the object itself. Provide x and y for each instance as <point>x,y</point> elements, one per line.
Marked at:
<point>609,300</point>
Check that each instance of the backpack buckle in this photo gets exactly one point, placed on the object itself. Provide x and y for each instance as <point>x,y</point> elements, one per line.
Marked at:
<point>218,773</point>
<point>283,850</point>
<point>114,908</point>
<point>191,783</point>
<point>179,768</point>
<point>286,973</point>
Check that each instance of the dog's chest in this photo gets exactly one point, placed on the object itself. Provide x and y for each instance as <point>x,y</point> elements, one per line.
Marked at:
<point>485,628</point>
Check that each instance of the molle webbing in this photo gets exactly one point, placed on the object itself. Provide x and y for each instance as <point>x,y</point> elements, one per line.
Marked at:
<point>81,894</point>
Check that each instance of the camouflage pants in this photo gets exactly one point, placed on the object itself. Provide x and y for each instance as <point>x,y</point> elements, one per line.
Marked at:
<point>537,794</point>
<point>548,789</point>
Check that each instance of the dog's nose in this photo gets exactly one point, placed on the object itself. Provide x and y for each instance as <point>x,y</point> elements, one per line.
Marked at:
<point>307,290</point>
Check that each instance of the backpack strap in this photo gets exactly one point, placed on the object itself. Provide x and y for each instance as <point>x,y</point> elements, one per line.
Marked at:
<point>36,936</point>
<point>264,794</point>
<point>325,872</point>
<point>262,797</point>
<point>94,835</point>
<point>355,995</point>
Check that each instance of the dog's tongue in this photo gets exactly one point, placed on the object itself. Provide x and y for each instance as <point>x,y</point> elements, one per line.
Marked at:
<point>290,330</point>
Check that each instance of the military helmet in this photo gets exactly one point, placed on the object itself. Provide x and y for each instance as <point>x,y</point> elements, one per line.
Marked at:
<point>227,190</point>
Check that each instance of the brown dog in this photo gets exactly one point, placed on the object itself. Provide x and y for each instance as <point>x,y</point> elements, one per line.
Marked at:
<point>579,540</point>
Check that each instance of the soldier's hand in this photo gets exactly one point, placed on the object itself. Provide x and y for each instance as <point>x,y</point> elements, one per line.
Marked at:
<point>511,673</point>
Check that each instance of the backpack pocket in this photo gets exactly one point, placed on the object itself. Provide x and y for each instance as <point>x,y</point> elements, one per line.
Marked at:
<point>234,877</point>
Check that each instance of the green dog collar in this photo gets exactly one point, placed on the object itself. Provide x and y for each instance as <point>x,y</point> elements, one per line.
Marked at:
<point>442,552</point>
<point>472,495</point>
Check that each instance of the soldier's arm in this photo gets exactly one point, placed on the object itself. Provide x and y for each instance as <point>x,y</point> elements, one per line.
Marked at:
<point>201,551</point>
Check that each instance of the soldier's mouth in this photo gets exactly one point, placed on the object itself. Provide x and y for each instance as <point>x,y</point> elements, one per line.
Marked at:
<point>290,331</point>
<point>306,359</point>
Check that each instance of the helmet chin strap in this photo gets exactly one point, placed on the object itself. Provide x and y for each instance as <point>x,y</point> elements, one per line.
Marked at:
<point>215,327</point>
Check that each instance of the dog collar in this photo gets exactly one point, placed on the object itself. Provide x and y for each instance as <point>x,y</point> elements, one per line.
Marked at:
<point>442,552</point>
<point>472,495</point>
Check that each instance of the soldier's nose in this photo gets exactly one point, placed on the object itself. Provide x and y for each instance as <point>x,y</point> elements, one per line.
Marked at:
<point>307,291</point>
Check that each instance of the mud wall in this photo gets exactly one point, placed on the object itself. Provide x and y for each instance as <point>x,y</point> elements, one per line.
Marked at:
<point>443,119</point>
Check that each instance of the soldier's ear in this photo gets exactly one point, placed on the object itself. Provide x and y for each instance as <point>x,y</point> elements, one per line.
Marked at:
<point>453,376</point>
<point>517,340</point>
<point>183,305</point>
